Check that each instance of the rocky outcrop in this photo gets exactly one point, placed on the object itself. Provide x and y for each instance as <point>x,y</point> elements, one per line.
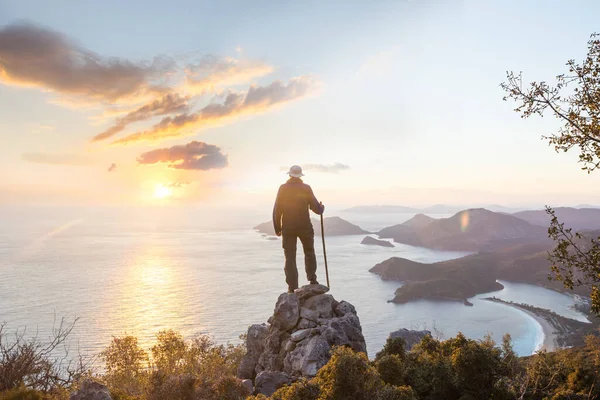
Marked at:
<point>410,337</point>
<point>91,390</point>
<point>255,345</point>
<point>267,382</point>
<point>298,340</point>
<point>370,241</point>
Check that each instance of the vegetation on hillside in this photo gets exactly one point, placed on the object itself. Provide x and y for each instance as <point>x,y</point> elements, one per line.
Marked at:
<point>457,368</point>
<point>574,100</point>
<point>454,369</point>
<point>468,276</point>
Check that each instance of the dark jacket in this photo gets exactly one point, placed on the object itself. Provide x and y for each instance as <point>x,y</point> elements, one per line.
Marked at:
<point>290,213</point>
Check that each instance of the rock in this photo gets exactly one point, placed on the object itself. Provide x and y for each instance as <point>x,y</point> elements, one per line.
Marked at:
<point>271,359</point>
<point>308,358</point>
<point>255,345</point>
<point>310,290</point>
<point>91,390</point>
<point>344,308</point>
<point>370,241</point>
<point>247,383</point>
<point>323,304</point>
<point>411,337</point>
<point>300,335</point>
<point>267,382</point>
<point>306,325</point>
<point>311,315</point>
<point>287,311</point>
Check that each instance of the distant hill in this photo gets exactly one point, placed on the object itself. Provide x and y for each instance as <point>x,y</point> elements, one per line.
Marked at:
<point>382,209</point>
<point>334,226</point>
<point>576,218</point>
<point>466,277</point>
<point>435,209</point>
<point>407,232</point>
<point>469,230</point>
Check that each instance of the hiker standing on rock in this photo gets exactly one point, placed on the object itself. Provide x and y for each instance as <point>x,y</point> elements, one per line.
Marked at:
<point>291,220</point>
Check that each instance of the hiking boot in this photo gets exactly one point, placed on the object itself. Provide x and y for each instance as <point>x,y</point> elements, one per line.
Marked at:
<point>291,290</point>
<point>314,282</point>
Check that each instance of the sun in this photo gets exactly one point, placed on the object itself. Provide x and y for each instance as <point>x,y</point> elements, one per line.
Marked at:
<point>161,192</point>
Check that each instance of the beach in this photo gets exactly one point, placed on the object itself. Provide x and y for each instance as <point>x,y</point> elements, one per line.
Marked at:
<point>548,341</point>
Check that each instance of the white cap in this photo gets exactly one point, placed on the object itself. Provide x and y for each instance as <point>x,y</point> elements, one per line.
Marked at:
<point>295,171</point>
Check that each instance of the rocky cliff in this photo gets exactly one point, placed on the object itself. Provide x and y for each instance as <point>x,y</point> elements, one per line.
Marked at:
<point>297,340</point>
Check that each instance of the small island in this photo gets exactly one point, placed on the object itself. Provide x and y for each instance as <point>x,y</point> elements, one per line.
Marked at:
<point>371,241</point>
<point>334,226</point>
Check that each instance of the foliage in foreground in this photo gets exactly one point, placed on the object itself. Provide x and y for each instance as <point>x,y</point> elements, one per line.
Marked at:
<point>174,369</point>
<point>453,369</point>
<point>575,101</point>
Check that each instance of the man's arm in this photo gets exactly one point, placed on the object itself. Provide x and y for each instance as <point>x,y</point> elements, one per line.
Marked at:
<point>314,204</point>
<point>277,212</point>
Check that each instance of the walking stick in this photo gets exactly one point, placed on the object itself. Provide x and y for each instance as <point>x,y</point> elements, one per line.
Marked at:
<point>324,252</point>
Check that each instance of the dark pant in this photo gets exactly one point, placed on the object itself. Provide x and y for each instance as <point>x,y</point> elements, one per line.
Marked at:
<point>310,259</point>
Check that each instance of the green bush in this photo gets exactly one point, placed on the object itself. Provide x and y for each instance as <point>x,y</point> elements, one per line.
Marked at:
<point>391,369</point>
<point>348,375</point>
<point>389,392</point>
<point>301,390</point>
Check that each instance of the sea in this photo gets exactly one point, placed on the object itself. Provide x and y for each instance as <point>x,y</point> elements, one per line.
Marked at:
<point>140,270</point>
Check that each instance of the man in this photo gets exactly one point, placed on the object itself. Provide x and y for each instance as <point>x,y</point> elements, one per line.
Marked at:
<point>291,220</point>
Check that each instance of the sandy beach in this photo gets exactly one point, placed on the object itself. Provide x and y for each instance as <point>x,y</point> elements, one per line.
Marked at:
<point>549,342</point>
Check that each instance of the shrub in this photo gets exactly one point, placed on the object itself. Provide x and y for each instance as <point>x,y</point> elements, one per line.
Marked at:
<point>348,375</point>
<point>301,390</point>
<point>31,365</point>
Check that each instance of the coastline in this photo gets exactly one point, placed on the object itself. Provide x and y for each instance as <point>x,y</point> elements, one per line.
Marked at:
<point>548,343</point>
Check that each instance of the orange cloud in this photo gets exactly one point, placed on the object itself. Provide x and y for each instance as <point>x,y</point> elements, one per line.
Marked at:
<point>37,57</point>
<point>168,104</point>
<point>212,72</point>
<point>256,99</point>
<point>194,155</point>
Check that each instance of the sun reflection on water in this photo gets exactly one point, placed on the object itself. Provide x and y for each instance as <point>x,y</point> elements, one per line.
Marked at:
<point>150,299</point>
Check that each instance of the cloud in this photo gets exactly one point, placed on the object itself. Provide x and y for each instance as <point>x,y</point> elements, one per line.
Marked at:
<point>56,159</point>
<point>177,184</point>
<point>256,99</point>
<point>169,104</point>
<point>112,167</point>
<point>330,168</point>
<point>34,56</point>
<point>212,72</point>
<point>194,156</point>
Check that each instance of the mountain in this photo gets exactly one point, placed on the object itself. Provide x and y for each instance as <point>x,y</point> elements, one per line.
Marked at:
<point>469,230</point>
<point>440,209</point>
<point>406,232</point>
<point>382,209</point>
<point>576,218</point>
<point>466,277</point>
<point>434,209</point>
<point>334,226</point>
<point>586,206</point>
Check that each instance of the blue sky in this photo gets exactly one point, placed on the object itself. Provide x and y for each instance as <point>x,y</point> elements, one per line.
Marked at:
<point>404,93</point>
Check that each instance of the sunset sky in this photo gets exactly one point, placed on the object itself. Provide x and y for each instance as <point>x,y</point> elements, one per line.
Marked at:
<point>382,102</point>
